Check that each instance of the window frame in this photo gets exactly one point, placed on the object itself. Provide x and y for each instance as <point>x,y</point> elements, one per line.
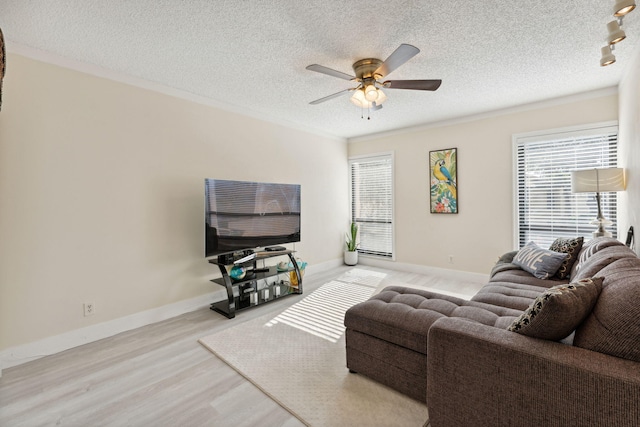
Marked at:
<point>586,130</point>
<point>372,157</point>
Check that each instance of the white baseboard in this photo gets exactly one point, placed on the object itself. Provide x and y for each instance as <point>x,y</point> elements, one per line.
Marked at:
<point>323,266</point>
<point>47,346</point>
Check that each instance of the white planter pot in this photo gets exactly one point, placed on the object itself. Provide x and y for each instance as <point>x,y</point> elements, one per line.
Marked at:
<point>351,258</point>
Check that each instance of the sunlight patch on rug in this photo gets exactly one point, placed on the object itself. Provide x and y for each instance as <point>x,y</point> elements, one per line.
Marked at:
<point>322,312</point>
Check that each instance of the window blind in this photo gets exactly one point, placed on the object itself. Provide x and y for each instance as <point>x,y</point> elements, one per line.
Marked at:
<point>546,207</point>
<point>372,203</point>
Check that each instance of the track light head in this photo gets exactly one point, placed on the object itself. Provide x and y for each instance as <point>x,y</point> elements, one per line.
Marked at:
<point>607,57</point>
<point>622,7</point>
<point>616,34</point>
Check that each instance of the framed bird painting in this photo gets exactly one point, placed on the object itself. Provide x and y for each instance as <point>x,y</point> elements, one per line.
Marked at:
<point>443,177</point>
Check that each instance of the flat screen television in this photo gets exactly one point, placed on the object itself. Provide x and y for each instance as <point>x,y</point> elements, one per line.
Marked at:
<point>243,215</point>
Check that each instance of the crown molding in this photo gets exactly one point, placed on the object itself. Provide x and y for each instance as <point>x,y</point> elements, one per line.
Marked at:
<point>98,71</point>
<point>582,96</point>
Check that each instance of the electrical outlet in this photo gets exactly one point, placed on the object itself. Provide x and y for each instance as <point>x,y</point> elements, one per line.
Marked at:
<point>89,309</point>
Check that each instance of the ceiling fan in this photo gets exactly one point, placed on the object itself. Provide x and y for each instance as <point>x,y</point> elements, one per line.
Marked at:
<point>369,72</point>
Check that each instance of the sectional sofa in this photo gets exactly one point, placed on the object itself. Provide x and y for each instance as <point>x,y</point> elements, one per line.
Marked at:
<point>525,350</point>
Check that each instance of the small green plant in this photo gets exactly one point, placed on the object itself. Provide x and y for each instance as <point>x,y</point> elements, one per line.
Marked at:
<point>352,238</point>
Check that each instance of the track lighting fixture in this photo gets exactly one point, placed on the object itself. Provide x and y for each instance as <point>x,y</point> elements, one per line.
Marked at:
<point>615,34</point>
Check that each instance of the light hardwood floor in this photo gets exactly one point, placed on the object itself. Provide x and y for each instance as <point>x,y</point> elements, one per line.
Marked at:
<point>159,375</point>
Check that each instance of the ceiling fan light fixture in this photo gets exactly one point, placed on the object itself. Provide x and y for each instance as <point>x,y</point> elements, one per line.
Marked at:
<point>607,56</point>
<point>367,93</point>
<point>615,33</point>
<point>622,7</point>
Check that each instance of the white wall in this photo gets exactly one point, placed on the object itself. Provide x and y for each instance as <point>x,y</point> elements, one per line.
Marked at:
<point>101,195</point>
<point>630,147</point>
<point>483,228</point>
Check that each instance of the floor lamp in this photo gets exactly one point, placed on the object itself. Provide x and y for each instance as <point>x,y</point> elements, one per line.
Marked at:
<point>598,181</point>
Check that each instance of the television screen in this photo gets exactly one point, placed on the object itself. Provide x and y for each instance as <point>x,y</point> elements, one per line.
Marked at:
<point>245,215</point>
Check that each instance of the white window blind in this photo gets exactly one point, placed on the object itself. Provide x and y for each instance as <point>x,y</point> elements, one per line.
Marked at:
<point>546,207</point>
<point>372,203</point>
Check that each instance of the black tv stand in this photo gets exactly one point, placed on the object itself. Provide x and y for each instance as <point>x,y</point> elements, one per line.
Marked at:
<point>247,293</point>
<point>275,249</point>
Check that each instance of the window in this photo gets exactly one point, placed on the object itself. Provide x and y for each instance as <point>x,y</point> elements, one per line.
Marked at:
<point>546,208</point>
<point>372,203</point>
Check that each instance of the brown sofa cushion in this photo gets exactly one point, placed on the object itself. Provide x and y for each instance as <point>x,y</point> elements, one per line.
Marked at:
<point>570,246</point>
<point>589,249</point>
<point>613,327</point>
<point>521,277</point>
<point>558,311</point>
<point>403,316</point>
<point>509,294</point>
<point>601,259</point>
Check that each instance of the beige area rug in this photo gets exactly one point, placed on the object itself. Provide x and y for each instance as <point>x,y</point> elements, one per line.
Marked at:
<point>297,357</point>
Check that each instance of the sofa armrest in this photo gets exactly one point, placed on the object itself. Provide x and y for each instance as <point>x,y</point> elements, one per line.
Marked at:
<point>478,375</point>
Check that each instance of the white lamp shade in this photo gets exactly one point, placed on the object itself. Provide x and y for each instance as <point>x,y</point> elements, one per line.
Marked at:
<point>598,180</point>
<point>615,33</point>
<point>622,7</point>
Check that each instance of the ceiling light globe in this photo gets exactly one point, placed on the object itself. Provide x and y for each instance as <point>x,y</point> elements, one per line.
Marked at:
<point>616,34</point>
<point>371,93</point>
<point>622,7</point>
<point>358,99</point>
<point>607,57</point>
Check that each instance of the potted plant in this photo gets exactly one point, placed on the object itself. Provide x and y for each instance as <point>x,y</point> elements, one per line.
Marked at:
<point>351,250</point>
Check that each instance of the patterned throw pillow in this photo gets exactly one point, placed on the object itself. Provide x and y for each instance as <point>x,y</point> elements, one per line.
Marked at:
<point>537,261</point>
<point>567,246</point>
<point>558,311</point>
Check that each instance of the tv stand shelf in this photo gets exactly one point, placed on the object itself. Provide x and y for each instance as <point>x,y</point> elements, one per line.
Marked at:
<point>248,295</point>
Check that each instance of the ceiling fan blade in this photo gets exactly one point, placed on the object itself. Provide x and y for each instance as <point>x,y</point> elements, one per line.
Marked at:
<point>335,95</point>
<point>399,56</point>
<point>413,84</point>
<point>330,72</point>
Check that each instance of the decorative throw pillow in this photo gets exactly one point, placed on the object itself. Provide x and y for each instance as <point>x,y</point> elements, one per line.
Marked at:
<point>567,246</point>
<point>558,311</point>
<point>537,261</point>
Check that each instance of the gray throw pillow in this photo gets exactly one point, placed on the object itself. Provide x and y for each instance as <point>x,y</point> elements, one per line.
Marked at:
<point>539,262</point>
<point>559,310</point>
<point>568,246</point>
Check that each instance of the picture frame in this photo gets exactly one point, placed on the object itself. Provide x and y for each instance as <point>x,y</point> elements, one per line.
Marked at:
<point>443,181</point>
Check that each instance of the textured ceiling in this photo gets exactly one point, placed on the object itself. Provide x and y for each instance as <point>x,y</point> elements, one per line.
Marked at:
<point>250,55</point>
